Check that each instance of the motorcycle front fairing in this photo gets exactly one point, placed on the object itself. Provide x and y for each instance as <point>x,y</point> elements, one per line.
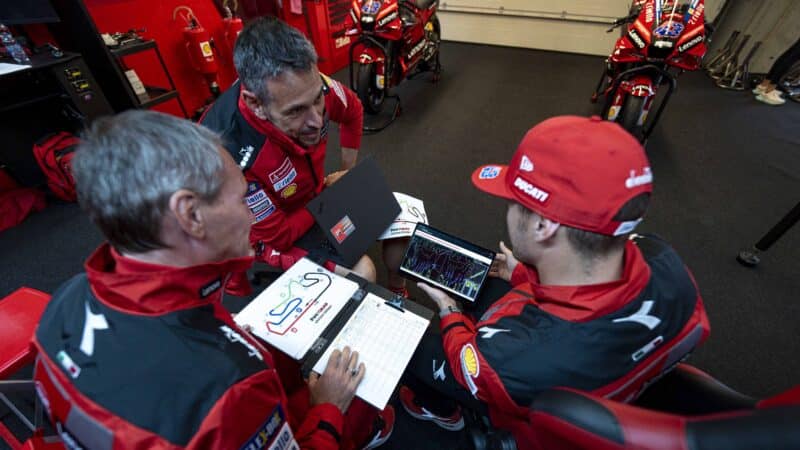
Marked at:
<point>664,30</point>
<point>665,33</point>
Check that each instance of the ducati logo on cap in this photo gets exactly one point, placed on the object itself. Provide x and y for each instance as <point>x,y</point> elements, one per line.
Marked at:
<point>526,165</point>
<point>531,191</point>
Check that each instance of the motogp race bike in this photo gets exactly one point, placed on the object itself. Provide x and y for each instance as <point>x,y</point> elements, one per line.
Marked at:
<point>398,39</point>
<point>659,40</point>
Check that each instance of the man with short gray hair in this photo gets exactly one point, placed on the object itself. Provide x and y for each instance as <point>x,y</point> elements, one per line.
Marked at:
<point>138,352</point>
<point>274,122</point>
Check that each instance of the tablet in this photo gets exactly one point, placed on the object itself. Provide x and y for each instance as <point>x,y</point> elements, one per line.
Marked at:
<point>447,262</point>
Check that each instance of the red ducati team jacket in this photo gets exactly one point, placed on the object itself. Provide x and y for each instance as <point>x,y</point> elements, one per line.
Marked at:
<point>141,356</point>
<point>611,339</point>
<point>282,176</point>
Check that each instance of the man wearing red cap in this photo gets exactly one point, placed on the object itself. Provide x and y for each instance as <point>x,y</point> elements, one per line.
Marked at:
<point>588,306</point>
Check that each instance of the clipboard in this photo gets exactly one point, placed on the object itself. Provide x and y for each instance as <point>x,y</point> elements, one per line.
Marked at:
<point>385,329</point>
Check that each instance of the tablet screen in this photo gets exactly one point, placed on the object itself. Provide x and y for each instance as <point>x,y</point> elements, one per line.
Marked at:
<point>447,262</point>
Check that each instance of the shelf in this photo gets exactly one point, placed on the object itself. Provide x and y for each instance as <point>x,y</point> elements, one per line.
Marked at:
<point>132,47</point>
<point>156,95</point>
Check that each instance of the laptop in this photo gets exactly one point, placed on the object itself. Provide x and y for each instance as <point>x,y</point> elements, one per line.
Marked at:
<point>353,212</point>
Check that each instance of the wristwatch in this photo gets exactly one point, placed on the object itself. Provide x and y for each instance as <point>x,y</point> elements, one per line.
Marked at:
<point>450,309</point>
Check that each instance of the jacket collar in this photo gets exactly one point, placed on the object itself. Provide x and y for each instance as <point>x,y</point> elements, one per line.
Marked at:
<point>145,288</point>
<point>583,303</point>
<point>271,131</point>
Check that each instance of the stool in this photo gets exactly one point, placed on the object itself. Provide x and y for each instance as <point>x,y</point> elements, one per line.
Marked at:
<point>19,312</point>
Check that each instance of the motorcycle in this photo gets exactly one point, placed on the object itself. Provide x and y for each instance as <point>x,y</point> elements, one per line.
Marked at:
<point>398,39</point>
<point>660,40</point>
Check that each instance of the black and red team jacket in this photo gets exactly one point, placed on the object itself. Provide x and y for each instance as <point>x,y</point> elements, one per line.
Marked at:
<point>282,176</point>
<point>142,356</point>
<point>611,339</point>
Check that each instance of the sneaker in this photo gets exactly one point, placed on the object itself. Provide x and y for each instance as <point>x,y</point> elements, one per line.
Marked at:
<point>772,97</point>
<point>453,423</point>
<point>759,90</point>
<point>402,291</point>
<point>384,424</point>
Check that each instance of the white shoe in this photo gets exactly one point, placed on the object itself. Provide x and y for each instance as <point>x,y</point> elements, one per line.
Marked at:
<point>772,97</point>
<point>759,90</point>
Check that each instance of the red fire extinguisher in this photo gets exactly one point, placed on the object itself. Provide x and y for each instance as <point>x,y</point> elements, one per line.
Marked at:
<point>200,47</point>
<point>231,26</point>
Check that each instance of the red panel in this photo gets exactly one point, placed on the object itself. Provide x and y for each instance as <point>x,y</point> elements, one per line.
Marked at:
<point>298,21</point>
<point>155,16</point>
<point>19,313</point>
<point>325,23</point>
<point>39,34</point>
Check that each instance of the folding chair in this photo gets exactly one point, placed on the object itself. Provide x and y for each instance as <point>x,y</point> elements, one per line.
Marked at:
<point>19,313</point>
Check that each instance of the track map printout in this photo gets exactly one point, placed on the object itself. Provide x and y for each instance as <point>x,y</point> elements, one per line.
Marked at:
<point>295,309</point>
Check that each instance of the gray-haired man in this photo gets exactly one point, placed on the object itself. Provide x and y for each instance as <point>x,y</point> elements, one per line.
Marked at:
<point>147,314</point>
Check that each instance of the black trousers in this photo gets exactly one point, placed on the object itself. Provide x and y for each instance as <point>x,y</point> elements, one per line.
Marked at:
<point>429,374</point>
<point>784,63</point>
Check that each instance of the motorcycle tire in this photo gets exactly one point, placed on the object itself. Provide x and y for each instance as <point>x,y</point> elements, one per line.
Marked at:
<point>629,116</point>
<point>369,93</point>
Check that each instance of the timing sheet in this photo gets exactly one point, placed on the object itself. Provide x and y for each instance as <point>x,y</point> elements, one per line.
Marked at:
<point>385,339</point>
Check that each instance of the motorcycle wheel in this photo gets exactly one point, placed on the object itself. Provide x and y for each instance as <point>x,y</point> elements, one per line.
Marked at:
<point>368,92</point>
<point>629,116</point>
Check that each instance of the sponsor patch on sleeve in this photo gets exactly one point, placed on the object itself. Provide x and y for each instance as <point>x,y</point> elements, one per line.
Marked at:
<point>471,367</point>
<point>258,201</point>
<point>337,88</point>
<point>68,364</point>
<point>274,434</point>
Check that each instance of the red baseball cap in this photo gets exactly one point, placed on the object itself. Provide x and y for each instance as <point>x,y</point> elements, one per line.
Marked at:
<point>574,170</point>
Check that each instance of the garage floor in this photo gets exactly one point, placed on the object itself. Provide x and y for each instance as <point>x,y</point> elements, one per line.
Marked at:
<point>726,169</point>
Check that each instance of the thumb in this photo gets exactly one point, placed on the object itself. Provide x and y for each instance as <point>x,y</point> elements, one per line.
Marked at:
<point>432,292</point>
<point>425,288</point>
<point>506,251</point>
<point>313,378</point>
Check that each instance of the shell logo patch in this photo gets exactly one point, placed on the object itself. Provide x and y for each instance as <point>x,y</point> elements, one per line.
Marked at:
<point>289,191</point>
<point>470,366</point>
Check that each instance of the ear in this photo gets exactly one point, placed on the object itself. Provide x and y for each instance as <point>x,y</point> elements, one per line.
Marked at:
<point>185,206</point>
<point>254,104</point>
<point>544,228</point>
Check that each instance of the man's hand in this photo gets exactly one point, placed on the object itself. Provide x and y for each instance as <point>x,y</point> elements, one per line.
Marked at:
<point>338,383</point>
<point>504,263</point>
<point>349,156</point>
<point>334,177</point>
<point>441,299</point>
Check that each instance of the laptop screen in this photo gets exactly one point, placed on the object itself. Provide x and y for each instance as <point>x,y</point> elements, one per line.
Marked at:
<point>447,262</point>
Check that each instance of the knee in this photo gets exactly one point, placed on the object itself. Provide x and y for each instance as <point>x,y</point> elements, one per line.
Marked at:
<point>393,252</point>
<point>365,268</point>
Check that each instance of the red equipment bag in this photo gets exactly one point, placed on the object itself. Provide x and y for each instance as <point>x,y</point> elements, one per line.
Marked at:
<point>17,202</point>
<point>54,154</point>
